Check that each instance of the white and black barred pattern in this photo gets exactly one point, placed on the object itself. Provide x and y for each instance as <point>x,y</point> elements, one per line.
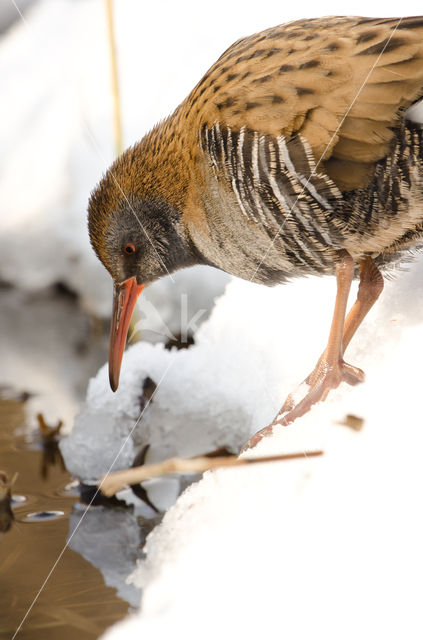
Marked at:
<point>390,208</point>
<point>277,186</point>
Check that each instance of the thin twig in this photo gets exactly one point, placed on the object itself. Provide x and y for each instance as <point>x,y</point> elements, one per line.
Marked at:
<point>117,120</point>
<point>113,482</point>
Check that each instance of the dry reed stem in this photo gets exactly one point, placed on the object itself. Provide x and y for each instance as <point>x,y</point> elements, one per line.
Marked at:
<point>113,482</point>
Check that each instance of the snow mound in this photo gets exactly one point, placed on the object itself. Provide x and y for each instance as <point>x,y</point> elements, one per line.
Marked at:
<point>329,545</point>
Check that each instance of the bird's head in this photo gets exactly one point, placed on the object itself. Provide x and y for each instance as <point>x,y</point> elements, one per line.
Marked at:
<point>138,239</point>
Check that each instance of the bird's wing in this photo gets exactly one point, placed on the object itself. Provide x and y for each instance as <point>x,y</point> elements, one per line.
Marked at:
<point>339,83</point>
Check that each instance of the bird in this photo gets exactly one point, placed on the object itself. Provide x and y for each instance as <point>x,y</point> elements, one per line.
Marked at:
<point>294,155</point>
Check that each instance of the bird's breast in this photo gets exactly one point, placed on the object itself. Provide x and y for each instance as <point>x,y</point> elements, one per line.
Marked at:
<point>230,242</point>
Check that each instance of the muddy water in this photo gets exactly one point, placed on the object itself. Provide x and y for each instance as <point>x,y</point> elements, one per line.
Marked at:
<point>75,599</point>
<point>37,338</point>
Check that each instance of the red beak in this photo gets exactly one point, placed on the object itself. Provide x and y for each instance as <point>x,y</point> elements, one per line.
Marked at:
<point>125,296</point>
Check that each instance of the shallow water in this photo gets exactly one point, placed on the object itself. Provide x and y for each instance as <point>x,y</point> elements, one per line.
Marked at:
<point>75,598</point>
<point>49,350</point>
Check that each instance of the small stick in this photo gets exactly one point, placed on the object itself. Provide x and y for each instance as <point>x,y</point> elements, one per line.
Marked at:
<point>115,79</point>
<point>113,482</point>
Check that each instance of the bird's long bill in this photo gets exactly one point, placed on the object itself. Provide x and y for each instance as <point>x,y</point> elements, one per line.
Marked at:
<point>125,296</point>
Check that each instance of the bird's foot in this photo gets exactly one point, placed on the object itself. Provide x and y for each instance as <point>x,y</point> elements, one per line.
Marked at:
<point>323,379</point>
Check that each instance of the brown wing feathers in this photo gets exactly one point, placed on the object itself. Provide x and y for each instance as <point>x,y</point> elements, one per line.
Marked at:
<point>342,83</point>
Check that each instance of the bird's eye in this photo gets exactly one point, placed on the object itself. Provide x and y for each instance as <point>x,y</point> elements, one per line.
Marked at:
<point>129,248</point>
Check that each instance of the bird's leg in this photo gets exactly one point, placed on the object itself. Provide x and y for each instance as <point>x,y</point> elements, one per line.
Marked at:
<point>369,290</point>
<point>331,369</point>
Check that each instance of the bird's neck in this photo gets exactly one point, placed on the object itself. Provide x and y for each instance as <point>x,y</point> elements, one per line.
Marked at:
<point>160,163</point>
<point>161,168</point>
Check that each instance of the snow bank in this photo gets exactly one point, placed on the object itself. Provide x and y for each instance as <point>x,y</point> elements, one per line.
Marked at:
<point>327,547</point>
<point>317,546</point>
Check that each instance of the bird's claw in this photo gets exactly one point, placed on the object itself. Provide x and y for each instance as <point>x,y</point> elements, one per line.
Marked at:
<point>320,382</point>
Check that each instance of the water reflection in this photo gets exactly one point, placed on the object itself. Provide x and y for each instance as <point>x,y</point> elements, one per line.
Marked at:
<point>111,540</point>
<point>49,437</point>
